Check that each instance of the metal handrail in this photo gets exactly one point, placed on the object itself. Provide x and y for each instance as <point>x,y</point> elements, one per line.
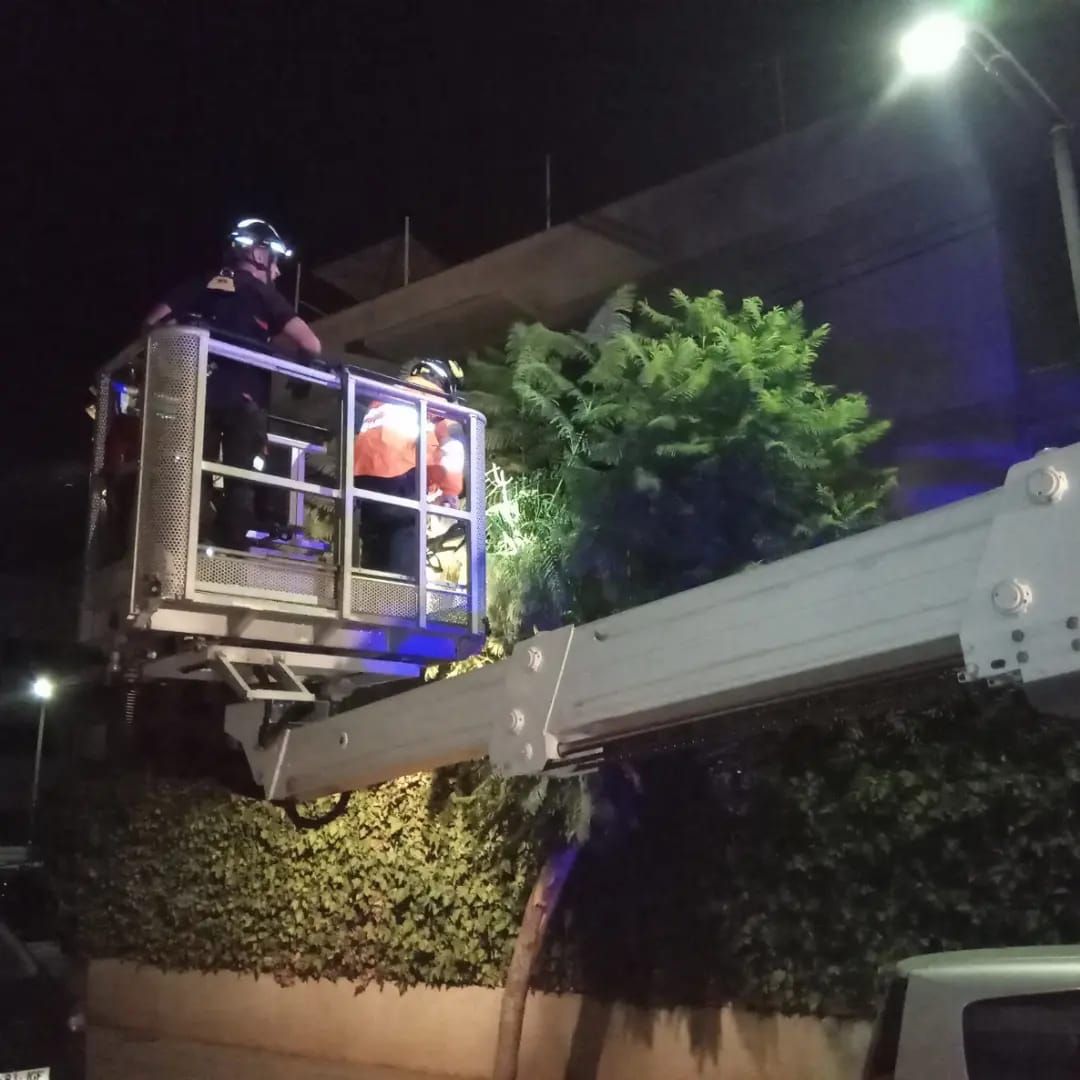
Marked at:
<point>270,479</point>
<point>352,385</point>
<point>356,391</point>
<point>329,376</point>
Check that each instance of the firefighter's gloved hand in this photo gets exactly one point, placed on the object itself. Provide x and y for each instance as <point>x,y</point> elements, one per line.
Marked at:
<point>316,362</point>
<point>301,388</point>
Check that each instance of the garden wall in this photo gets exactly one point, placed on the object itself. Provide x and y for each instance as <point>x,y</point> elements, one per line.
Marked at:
<point>452,1031</point>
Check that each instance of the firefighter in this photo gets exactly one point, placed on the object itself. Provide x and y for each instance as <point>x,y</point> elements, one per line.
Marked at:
<point>239,299</point>
<point>385,461</point>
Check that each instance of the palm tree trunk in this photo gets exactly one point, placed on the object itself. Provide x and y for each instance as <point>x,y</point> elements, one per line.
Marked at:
<point>542,902</point>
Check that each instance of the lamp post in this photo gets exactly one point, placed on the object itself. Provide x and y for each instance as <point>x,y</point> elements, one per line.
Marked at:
<point>42,689</point>
<point>935,43</point>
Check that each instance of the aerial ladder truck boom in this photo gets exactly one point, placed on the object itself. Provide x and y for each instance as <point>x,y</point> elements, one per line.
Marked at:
<point>988,586</point>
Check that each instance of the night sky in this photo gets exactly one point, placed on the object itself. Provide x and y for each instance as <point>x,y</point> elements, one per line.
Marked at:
<point>135,130</point>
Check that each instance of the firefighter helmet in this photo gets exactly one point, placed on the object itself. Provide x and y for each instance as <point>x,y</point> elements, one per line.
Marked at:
<point>445,374</point>
<point>254,232</point>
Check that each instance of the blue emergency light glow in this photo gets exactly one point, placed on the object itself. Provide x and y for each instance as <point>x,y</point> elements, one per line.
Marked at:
<point>419,648</point>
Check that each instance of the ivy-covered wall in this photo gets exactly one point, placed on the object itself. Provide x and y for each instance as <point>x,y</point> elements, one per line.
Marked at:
<point>782,878</point>
<point>187,876</point>
<point>787,879</point>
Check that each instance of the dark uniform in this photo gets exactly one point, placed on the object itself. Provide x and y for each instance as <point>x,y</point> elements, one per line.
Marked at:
<point>237,395</point>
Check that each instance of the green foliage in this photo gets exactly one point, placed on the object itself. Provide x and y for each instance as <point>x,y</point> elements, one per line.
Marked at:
<point>183,876</point>
<point>641,457</point>
<point>683,446</point>
<point>543,813</point>
<point>953,828</point>
<point>528,528</point>
<point>648,453</point>
<point>832,853</point>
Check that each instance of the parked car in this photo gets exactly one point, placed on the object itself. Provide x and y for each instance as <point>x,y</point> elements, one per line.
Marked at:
<point>42,1029</point>
<point>986,1014</point>
<point>29,907</point>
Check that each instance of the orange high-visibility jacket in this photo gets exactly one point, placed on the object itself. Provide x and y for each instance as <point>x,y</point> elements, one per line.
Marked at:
<point>385,446</point>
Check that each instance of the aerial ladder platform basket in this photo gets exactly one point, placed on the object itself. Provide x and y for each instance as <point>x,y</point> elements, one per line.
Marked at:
<point>297,608</point>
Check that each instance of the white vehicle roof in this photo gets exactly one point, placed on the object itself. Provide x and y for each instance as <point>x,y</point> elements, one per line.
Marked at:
<point>982,963</point>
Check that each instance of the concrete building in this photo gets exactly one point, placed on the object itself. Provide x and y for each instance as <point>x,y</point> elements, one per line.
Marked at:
<point>923,230</point>
<point>377,269</point>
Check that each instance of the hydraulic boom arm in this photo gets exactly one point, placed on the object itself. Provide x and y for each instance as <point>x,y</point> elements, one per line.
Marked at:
<point>989,585</point>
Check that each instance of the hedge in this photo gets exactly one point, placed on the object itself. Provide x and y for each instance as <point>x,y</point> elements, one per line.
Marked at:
<point>792,880</point>
<point>186,876</point>
<point>783,878</point>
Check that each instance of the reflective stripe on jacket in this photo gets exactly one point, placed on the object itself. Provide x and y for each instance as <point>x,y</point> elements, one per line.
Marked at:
<point>385,446</point>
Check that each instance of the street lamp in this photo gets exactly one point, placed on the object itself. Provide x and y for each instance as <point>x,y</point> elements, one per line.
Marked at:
<point>42,689</point>
<point>934,43</point>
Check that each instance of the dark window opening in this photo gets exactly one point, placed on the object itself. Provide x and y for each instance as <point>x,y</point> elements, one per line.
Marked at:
<point>1016,1038</point>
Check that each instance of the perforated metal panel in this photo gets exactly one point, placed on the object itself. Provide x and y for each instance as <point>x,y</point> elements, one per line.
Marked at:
<point>448,607</point>
<point>103,413</point>
<point>378,596</point>
<point>293,582</point>
<point>161,545</point>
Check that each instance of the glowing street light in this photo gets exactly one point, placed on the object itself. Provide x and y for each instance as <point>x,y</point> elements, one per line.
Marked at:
<point>933,44</point>
<point>43,688</point>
